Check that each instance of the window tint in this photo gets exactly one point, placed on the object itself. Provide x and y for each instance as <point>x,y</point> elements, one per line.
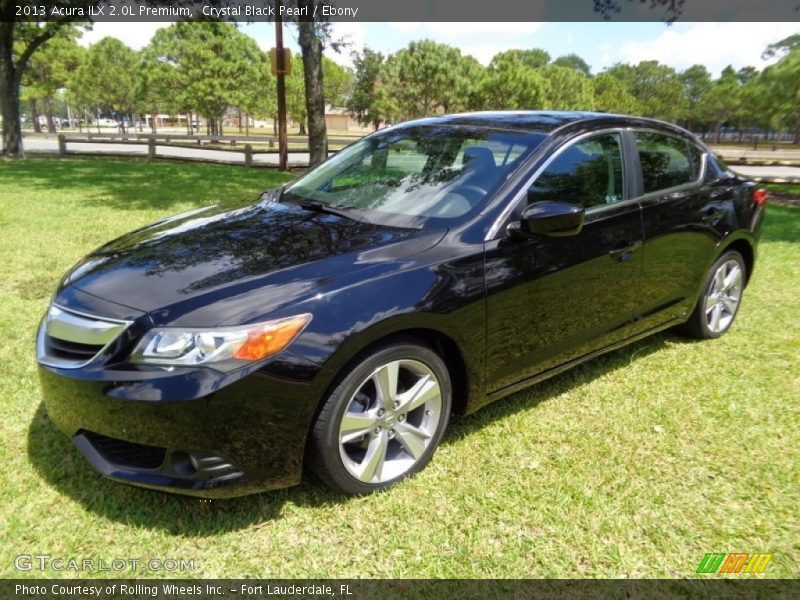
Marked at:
<point>665,161</point>
<point>588,173</point>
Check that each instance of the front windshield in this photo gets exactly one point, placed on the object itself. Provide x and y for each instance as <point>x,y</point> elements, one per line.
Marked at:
<point>417,175</point>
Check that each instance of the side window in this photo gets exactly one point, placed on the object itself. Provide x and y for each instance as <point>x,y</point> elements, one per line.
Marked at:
<point>589,173</point>
<point>665,161</point>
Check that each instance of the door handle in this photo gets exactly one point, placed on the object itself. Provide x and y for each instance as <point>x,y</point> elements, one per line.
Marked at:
<point>624,250</point>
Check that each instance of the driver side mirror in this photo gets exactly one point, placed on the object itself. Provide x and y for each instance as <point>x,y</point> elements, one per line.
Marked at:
<point>551,219</point>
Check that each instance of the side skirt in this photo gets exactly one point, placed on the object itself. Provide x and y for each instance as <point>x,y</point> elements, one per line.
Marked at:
<point>533,379</point>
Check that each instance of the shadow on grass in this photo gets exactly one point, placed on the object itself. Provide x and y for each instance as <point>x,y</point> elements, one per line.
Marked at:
<point>135,183</point>
<point>60,464</point>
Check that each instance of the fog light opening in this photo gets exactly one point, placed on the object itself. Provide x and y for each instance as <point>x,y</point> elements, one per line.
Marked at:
<point>184,464</point>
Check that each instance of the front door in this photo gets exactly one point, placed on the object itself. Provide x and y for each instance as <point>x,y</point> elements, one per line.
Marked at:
<point>550,300</point>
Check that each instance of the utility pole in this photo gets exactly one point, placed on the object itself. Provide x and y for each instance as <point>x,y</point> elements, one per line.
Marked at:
<point>283,150</point>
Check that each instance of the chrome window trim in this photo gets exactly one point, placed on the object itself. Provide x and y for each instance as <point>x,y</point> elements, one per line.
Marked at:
<point>108,333</point>
<point>501,218</point>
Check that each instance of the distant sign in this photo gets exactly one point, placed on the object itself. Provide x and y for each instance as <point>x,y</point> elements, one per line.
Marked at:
<point>281,61</point>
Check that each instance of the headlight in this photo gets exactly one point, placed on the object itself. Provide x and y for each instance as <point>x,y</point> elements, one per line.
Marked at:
<point>224,348</point>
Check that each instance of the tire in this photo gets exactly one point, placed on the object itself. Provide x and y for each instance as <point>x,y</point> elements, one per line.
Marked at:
<point>720,299</point>
<point>372,430</point>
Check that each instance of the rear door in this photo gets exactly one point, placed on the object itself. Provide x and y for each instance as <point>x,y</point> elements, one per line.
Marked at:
<point>550,300</point>
<point>683,219</point>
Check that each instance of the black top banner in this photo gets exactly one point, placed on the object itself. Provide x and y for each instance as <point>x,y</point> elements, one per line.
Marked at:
<point>407,10</point>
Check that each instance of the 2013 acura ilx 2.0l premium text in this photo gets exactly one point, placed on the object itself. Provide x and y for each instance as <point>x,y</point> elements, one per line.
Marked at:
<point>424,271</point>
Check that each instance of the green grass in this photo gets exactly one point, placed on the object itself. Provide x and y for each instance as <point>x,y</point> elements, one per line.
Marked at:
<point>632,465</point>
<point>783,190</point>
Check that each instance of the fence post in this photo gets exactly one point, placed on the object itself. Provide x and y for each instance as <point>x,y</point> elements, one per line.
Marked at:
<point>248,155</point>
<point>62,145</point>
<point>271,143</point>
<point>151,149</point>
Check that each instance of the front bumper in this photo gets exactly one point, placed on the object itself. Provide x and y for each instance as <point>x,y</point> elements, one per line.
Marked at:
<point>244,437</point>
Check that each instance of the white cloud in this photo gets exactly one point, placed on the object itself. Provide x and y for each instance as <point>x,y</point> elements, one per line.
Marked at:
<point>135,35</point>
<point>353,35</point>
<point>715,45</point>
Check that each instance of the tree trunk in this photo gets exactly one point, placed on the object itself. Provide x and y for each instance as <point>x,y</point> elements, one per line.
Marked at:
<point>719,132</point>
<point>311,46</point>
<point>303,130</point>
<point>48,113</point>
<point>9,95</point>
<point>797,130</point>
<point>239,114</point>
<point>35,114</point>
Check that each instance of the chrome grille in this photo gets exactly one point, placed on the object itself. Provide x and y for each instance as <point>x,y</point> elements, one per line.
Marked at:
<point>69,339</point>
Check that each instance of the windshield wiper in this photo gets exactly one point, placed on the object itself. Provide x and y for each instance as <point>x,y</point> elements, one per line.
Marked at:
<point>321,207</point>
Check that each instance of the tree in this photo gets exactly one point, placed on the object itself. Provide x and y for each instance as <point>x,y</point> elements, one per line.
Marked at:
<point>568,89</point>
<point>363,101</point>
<point>719,104</point>
<point>296,106</point>
<point>611,95</point>
<point>782,84</point>
<point>573,61</point>
<point>533,58</point>
<point>48,72</point>
<point>782,47</point>
<point>259,96</point>
<point>158,88</point>
<point>511,83</point>
<point>338,82</point>
<point>425,78</point>
<point>18,42</point>
<point>696,84</point>
<point>106,78</point>
<point>657,88</point>
<point>212,66</point>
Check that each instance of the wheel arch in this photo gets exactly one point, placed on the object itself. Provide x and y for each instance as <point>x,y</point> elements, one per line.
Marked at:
<point>440,342</point>
<point>746,248</point>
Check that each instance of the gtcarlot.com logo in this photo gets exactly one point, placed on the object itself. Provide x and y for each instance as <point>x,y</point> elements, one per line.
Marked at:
<point>45,562</point>
<point>734,562</point>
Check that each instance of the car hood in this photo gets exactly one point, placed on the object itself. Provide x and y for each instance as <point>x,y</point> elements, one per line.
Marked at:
<point>207,266</point>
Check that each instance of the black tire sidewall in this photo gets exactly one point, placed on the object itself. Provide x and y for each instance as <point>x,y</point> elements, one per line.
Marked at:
<point>326,437</point>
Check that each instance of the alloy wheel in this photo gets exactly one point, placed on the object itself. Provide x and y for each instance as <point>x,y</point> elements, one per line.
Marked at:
<point>389,421</point>
<point>724,295</point>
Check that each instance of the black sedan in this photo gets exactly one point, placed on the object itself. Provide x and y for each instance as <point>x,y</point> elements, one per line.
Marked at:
<point>424,271</point>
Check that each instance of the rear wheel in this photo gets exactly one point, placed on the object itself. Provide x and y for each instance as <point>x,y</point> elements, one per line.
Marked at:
<point>722,294</point>
<point>383,421</point>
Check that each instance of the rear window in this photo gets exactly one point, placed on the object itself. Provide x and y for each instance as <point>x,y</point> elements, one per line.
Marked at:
<point>665,161</point>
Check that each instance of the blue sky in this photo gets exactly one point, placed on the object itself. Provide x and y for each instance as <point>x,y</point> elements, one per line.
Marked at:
<point>601,44</point>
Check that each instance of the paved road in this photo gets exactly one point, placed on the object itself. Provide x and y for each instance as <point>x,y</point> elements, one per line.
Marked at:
<point>296,159</point>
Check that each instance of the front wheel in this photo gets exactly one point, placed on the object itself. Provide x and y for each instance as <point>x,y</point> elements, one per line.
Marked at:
<point>719,302</point>
<point>383,421</point>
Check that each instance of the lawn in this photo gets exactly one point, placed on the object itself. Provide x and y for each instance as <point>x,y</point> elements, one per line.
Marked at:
<point>632,465</point>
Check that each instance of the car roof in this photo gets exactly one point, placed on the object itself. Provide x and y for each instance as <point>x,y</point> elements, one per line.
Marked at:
<point>541,121</point>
